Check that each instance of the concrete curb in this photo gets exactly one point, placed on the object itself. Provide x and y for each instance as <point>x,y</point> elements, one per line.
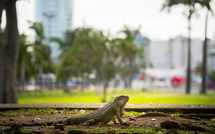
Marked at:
<point>182,108</point>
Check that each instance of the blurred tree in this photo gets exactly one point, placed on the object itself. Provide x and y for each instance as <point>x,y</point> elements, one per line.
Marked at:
<point>212,76</point>
<point>67,41</point>
<point>144,65</point>
<point>78,60</point>
<point>191,6</point>
<point>129,52</point>
<point>42,53</point>
<point>8,53</point>
<point>92,51</point>
<point>107,61</point>
<point>205,3</point>
<point>83,53</point>
<point>25,67</point>
<point>63,69</point>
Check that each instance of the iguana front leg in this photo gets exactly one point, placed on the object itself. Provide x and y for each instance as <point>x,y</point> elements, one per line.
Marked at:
<point>114,120</point>
<point>118,116</point>
<point>122,110</point>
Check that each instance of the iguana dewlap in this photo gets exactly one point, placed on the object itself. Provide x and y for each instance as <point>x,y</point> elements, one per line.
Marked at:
<point>109,112</point>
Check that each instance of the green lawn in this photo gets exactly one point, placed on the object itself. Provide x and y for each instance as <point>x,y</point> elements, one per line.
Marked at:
<point>136,97</point>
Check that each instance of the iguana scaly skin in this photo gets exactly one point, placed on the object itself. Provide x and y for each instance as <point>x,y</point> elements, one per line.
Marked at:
<point>109,112</point>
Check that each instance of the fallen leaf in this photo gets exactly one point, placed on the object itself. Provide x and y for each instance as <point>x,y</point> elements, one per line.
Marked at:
<point>153,119</point>
<point>35,119</point>
<point>143,113</point>
<point>82,111</point>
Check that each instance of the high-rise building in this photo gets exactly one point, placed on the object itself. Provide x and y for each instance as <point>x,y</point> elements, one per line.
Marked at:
<point>56,17</point>
<point>143,43</point>
<point>173,53</point>
<point>211,58</point>
<point>159,54</point>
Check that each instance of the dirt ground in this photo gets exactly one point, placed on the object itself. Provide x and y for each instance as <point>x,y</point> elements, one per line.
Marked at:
<point>153,122</point>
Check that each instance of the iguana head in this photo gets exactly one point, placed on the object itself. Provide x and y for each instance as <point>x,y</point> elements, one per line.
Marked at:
<point>121,100</point>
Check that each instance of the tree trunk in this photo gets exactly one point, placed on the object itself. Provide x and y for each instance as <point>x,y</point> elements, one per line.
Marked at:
<point>126,83</point>
<point>40,78</point>
<point>189,58</point>
<point>204,59</point>
<point>130,82</point>
<point>105,85</point>
<point>23,76</point>
<point>130,73</point>
<point>2,3</point>
<point>82,84</point>
<point>50,81</point>
<point>9,54</point>
<point>66,88</point>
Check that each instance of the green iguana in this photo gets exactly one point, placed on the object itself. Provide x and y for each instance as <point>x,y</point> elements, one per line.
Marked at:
<point>109,112</point>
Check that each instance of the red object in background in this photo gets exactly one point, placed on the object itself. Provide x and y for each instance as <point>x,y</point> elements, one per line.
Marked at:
<point>141,78</point>
<point>175,80</point>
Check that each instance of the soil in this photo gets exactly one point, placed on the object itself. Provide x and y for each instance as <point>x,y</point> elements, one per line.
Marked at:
<point>158,122</point>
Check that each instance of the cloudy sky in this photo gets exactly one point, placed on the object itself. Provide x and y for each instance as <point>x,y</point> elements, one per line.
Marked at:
<point>112,15</point>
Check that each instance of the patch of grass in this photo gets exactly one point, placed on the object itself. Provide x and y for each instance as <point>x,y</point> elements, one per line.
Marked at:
<point>130,129</point>
<point>46,111</point>
<point>58,96</point>
<point>26,112</point>
<point>43,111</point>
<point>76,111</point>
<point>3,128</point>
<point>176,114</point>
<point>26,131</point>
<point>133,113</point>
<point>211,125</point>
<point>147,97</point>
<point>136,97</point>
<point>189,132</point>
<point>9,114</point>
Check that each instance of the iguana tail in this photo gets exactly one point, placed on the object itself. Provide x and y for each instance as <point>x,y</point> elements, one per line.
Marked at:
<point>40,124</point>
<point>66,122</point>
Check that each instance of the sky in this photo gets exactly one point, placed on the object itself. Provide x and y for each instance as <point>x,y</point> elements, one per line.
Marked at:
<point>113,15</point>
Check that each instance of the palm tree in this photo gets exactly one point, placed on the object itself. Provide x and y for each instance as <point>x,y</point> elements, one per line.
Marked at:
<point>25,66</point>
<point>66,42</point>
<point>79,55</point>
<point>191,10</point>
<point>205,3</point>
<point>128,52</point>
<point>42,52</point>
<point>63,68</point>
